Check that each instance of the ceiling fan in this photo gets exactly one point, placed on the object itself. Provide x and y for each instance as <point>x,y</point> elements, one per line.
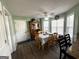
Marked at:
<point>45,14</point>
<point>48,15</point>
<point>51,15</point>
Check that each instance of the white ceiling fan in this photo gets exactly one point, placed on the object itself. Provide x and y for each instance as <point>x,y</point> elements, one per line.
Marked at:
<point>45,14</point>
<point>48,15</point>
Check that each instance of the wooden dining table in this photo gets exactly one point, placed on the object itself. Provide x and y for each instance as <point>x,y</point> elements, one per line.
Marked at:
<point>43,38</point>
<point>46,39</point>
<point>49,39</point>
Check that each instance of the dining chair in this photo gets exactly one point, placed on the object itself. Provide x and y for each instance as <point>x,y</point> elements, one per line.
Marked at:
<point>55,35</point>
<point>52,39</point>
<point>64,44</point>
<point>68,40</point>
<point>37,40</point>
<point>49,42</point>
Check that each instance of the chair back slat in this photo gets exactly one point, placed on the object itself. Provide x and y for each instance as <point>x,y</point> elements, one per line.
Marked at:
<point>68,40</point>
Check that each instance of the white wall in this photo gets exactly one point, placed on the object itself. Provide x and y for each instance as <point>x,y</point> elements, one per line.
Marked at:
<point>14,44</point>
<point>21,30</point>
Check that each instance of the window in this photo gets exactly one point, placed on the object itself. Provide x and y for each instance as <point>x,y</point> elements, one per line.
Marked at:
<point>54,26</point>
<point>46,26</point>
<point>70,24</point>
<point>57,26</point>
<point>60,26</point>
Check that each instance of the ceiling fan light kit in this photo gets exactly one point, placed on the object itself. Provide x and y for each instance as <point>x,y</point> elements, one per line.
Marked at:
<point>46,18</point>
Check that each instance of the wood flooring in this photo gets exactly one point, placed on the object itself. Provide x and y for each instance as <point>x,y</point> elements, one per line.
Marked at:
<point>27,50</point>
<point>4,57</point>
<point>75,49</point>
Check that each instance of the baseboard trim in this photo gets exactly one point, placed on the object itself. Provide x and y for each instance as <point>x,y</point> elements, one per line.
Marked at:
<point>25,41</point>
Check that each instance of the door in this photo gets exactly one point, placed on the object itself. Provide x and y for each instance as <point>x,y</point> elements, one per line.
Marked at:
<point>3,37</point>
<point>8,31</point>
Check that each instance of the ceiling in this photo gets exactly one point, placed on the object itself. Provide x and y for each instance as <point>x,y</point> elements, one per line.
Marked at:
<point>37,7</point>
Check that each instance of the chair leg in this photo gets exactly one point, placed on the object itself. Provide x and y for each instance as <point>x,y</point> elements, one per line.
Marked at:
<point>64,57</point>
<point>60,55</point>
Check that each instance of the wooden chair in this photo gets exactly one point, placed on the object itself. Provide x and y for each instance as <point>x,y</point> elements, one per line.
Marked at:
<point>68,41</point>
<point>51,41</point>
<point>37,40</point>
<point>64,43</point>
<point>55,35</point>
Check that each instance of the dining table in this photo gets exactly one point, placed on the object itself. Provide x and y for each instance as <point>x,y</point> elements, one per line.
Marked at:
<point>48,39</point>
<point>43,38</point>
